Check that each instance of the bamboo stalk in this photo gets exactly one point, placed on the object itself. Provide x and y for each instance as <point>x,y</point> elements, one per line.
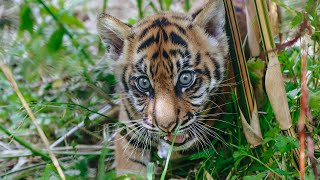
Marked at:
<point>274,82</point>
<point>246,97</point>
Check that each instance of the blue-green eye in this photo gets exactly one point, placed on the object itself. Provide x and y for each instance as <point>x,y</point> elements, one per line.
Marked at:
<point>186,78</point>
<point>143,84</point>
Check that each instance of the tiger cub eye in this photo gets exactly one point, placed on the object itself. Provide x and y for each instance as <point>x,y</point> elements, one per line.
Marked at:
<point>143,84</point>
<point>186,78</point>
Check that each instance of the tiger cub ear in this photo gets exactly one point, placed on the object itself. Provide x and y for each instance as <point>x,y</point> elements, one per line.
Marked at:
<point>212,18</point>
<point>113,32</point>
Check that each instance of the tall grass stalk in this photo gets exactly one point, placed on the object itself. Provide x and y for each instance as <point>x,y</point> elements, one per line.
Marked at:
<point>140,8</point>
<point>150,171</point>
<point>163,175</point>
<point>168,4</point>
<point>7,72</point>
<point>104,151</point>
<point>187,5</point>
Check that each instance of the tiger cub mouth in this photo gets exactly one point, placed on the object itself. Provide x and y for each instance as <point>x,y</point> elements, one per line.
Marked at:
<point>180,139</point>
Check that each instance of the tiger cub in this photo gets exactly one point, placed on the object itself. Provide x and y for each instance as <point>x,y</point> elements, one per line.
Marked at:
<point>169,67</point>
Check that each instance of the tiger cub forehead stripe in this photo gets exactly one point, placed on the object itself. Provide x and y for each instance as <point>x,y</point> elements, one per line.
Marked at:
<point>157,23</point>
<point>178,40</point>
<point>161,23</point>
<point>174,37</point>
<point>151,40</point>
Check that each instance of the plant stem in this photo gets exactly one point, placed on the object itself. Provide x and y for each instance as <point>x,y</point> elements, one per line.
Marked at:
<point>104,8</point>
<point>161,4</point>
<point>140,10</point>
<point>163,175</point>
<point>187,5</point>
<point>24,144</point>
<point>301,125</point>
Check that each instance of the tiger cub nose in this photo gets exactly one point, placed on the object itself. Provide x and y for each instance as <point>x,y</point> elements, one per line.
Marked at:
<point>165,114</point>
<point>168,128</point>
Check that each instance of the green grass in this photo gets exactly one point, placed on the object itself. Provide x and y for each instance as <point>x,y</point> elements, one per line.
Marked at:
<point>58,65</point>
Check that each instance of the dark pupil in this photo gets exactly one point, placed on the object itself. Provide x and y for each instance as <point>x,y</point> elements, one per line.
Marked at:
<point>185,78</point>
<point>144,83</point>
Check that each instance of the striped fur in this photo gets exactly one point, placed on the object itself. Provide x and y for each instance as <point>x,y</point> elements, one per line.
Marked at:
<point>161,48</point>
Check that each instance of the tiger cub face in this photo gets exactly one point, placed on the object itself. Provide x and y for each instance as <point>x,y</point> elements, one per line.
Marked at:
<point>168,66</point>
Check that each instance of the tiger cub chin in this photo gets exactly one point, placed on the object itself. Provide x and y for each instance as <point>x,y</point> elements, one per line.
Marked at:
<point>169,67</point>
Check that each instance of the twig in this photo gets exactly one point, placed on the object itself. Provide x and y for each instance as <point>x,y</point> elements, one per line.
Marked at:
<point>304,26</point>
<point>67,150</point>
<point>30,167</point>
<point>8,74</point>
<point>305,113</point>
<point>81,124</point>
<point>301,125</point>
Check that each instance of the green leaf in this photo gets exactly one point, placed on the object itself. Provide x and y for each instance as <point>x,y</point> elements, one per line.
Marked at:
<point>314,102</point>
<point>316,36</point>
<point>283,143</point>
<point>111,175</point>
<point>296,20</point>
<point>132,21</point>
<point>50,173</point>
<point>256,176</point>
<point>111,80</point>
<point>55,40</point>
<point>26,19</point>
<point>66,18</point>
<point>239,155</point>
<point>286,143</point>
<point>87,121</point>
<point>70,20</point>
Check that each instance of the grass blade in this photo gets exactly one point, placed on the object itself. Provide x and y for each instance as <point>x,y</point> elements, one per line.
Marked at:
<point>163,175</point>
<point>150,171</point>
<point>24,144</point>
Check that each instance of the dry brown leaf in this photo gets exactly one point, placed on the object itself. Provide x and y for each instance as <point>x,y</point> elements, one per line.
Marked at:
<point>208,176</point>
<point>276,92</point>
<point>253,28</point>
<point>252,131</point>
<point>254,121</point>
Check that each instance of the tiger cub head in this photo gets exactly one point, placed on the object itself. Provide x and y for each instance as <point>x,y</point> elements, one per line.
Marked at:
<point>168,66</point>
